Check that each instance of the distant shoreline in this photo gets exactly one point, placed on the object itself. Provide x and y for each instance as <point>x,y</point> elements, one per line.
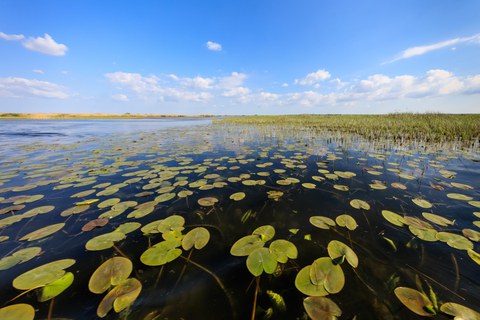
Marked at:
<point>69,116</point>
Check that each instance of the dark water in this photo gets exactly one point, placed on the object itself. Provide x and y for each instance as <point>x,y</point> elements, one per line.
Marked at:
<point>158,155</point>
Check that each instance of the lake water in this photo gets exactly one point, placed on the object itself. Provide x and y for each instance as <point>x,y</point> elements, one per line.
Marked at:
<point>409,213</point>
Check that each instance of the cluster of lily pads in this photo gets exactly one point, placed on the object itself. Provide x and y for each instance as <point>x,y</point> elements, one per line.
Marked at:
<point>128,204</point>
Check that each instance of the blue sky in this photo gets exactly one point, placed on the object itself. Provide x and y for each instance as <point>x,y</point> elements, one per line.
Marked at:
<point>240,57</point>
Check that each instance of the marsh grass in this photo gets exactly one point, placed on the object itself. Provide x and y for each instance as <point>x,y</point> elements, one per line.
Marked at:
<point>429,127</point>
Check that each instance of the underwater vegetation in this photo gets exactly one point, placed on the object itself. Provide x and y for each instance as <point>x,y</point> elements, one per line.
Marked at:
<point>241,221</point>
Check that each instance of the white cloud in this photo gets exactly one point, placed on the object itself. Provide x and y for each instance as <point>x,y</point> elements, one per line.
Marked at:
<point>197,83</point>
<point>120,97</point>
<point>421,50</point>
<point>284,84</point>
<point>38,71</point>
<point>20,87</point>
<point>213,46</point>
<point>45,45</point>
<point>11,37</point>
<point>236,79</point>
<point>313,78</point>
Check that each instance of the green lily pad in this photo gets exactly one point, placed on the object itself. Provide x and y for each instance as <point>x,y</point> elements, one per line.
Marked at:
<point>266,232</point>
<point>260,260</point>
<point>459,311</point>
<point>237,196</point>
<point>161,253</point>
<point>38,210</point>
<point>471,234</point>
<point>325,272</point>
<point>104,241</point>
<point>474,255</point>
<point>425,234</point>
<point>393,218</point>
<point>128,227</point>
<point>96,223</point>
<point>110,273</point>
<point>459,196</point>
<point>8,262</point>
<point>455,240</point>
<point>345,220</point>
<point>339,250</point>
<point>441,221</point>
<point>108,203</point>
<point>359,204</point>
<point>207,202</point>
<point>321,308</point>
<point>184,193</point>
<point>308,185</point>
<point>414,300</point>
<point>56,287</point>
<point>246,245</point>
<point>322,222</point>
<point>305,285</point>
<point>422,203</point>
<point>42,275</point>
<point>274,195</point>
<point>164,197</point>
<point>417,223</point>
<point>398,185</point>
<point>43,232</point>
<point>341,187</point>
<point>474,203</point>
<point>197,237</point>
<point>172,223</point>
<point>282,250</point>
<point>120,297</point>
<point>20,311</point>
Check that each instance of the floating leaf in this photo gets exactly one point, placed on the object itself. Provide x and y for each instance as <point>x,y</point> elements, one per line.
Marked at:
<point>359,204</point>
<point>275,195</point>
<point>474,255</point>
<point>422,203</point>
<point>20,311</point>
<point>237,196</point>
<point>322,222</point>
<point>338,251</point>
<point>471,234</point>
<point>108,203</point>
<point>164,197</point>
<point>308,185</point>
<point>260,260</point>
<point>305,285</point>
<point>120,297</point>
<point>325,272</point>
<point>104,241</point>
<point>345,220</point>
<point>282,250</point>
<point>43,232</point>
<point>56,287</point>
<point>474,203</point>
<point>43,275</point>
<point>459,312</point>
<point>393,218</point>
<point>455,240</point>
<point>398,185</point>
<point>461,186</point>
<point>414,300</point>
<point>245,245</point>
<point>86,202</point>
<point>97,223</point>
<point>266,232</point>
<point>340,187</point>
<point>459,196</point>
<point>184,193</point>
<point>321,308</point>
<point>441,221</point>
<point>406,176</point>
<point>172,223</point>
<point>207,202</point>
<point>417,223</point>
<point>110,273</point>
<point>38,210</point>
<point>197,237</point>
<point>425,234</point>
<point>161,253</point>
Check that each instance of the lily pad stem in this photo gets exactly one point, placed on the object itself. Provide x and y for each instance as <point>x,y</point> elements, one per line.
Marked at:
<point>257,287</point>
<point>19,295</point>
<point>50,309</point>
<point>183,269</point>
<point>159,275</point>
<point>457,273</point>
<point>120,251</point>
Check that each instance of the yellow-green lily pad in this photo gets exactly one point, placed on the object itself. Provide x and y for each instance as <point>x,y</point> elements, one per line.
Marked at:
<point>20,311</point>
<point>197,237</point>
<point>338,251</point>
<point>321,308</point>
<point>414,300</point>
<point>42,275</point>
<point>120,297</point>
<point>359,204</point>
<point>110,273</point>
<point>260,260</point>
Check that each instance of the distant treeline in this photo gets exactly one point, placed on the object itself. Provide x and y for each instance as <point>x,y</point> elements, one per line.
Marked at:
<point>95,116</point>
<point>404,126</point>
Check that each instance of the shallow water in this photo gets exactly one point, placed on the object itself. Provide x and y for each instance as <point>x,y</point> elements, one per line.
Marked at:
<point>155,157</point>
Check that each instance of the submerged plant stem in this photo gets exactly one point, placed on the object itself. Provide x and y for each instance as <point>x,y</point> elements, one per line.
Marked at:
<point>257,287</point>
<point>457,272</point>
<point>183,269</point>
<point>50,309</point>
<point>159,275</point>
<point>119,251</point>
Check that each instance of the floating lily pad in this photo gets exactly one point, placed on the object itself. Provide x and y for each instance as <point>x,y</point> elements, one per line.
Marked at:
<point>197,237</point>
<point>359,204</point>
<point>56,287</point>
<point>474,255</point>
<point>425,234</point>
<point>305,285</point>
<point>260,260</point>
<point>308,185</point>
<point>38,210</point>
<point>266,232</point>
<point>246,245</point>
<point>461,186</point>
<point>43,275</point>
<point>340,187</point>
<point>322,222</point>
<point>393,218</point>
<point>441,221</point>
<point>325,272</point>
<point>161,253</point>
<point>104,241</point>
<point>108,203</point>
<point>128,227</point>
<point>414,300</point>
<point>43,232</point>
<point>422,203</point>
<point>96,223</point>
<point>282,250</point>
<point>455,240</point>
<point>474,203</point>
<point>172,223</point>
<point>207,202</point>
<point>345,220</point>
<point>459,311</point>
<point>459,196</point>
<point>338,251</point>
<point>110,273</point>
<point>120,297</point>
<point>237,196</point>
<point>321,308</point>
<point>398,185</point>
<point>20,311</point>
<point>275,195</point>
<point>471,234</point>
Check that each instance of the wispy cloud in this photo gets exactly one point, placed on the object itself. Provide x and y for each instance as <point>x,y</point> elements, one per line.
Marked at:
<point>46,44</point>
<point>421,50</point>
<point>120,97</point>
<point>14,87</point>
<point>313,78</point>
<point>213,46</point>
